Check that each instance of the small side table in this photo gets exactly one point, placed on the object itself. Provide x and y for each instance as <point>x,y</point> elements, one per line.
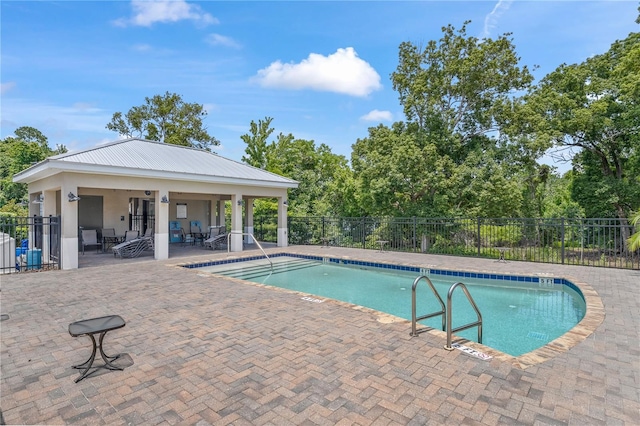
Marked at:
<point>382,243</point>
<point>502,250</point>
<point>93,326</point>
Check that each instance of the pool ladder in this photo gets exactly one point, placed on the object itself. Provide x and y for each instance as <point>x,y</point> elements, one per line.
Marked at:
<point>446,323</point>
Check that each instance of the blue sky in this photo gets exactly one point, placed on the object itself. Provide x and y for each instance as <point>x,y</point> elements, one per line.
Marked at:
<point>320,69</point>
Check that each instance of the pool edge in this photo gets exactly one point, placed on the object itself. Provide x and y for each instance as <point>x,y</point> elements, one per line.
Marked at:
<point>593,318</point>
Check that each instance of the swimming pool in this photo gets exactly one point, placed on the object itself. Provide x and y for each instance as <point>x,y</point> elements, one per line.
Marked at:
<point>520,313</point>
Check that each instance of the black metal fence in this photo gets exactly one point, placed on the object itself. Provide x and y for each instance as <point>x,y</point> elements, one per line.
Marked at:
<point>592,242</point>
<point>29,243</point>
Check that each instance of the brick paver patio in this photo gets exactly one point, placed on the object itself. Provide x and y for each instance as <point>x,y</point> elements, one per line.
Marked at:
<point>205,350</point>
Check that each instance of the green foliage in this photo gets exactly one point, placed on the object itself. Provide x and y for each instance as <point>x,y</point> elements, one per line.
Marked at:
<point>634,240</point>
<point>556,199</point>
<point>256,142</point>
<point>398,173</point>
<point>13,223</point>
<point>13,209</point>
<point>17,153</point>
<point>592,109</point>
<point>453,157</point>
<point>501,236</point>
<point>315,168</point>
<point>458,87</point>
<point>166,119</point>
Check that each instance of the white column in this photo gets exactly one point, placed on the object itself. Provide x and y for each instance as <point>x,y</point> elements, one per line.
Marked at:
<point>35,209</point>
<point>161,231</point>
<point>283,237</point>
<point>236,222</point>
<point>248,229</point>
<point>49,211</point>
<point>69,229</point>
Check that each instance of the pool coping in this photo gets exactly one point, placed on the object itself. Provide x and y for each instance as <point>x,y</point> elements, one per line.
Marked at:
<point>593,318</point>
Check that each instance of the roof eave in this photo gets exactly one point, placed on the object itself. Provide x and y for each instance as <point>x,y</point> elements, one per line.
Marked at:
<point>50,167</point>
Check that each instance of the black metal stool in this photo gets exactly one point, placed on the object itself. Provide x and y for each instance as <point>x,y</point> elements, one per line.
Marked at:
<point>93,326</point>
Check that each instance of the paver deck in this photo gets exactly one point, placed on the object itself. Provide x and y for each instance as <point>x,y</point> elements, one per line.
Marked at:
<point>210,350</point>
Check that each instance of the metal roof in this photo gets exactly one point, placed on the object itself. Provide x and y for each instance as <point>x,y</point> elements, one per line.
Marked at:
<point>139,157</point>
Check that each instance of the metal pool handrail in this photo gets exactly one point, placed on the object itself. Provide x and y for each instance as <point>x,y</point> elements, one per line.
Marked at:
<point>249,234</point>
<point>415,319</point>
<point>478,323</point>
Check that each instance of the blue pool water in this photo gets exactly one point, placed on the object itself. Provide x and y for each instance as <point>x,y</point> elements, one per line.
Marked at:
<point>520,314</point>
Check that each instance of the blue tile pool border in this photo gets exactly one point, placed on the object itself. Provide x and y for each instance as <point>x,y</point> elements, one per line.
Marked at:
<point>416,269</point>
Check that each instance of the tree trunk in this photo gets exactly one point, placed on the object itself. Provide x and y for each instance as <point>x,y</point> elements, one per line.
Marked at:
<point>625,232</point>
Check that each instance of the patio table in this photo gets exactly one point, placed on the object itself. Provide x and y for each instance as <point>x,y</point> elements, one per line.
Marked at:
<point>108,242</point>
<point>92,326</point>
<point>198,237</point>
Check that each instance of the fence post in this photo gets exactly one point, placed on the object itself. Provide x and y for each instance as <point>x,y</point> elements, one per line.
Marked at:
<point>478,237</point>
<point>415,234</point>
<point>562,242</point>
<point>364,232</point>
<point>323,232</point>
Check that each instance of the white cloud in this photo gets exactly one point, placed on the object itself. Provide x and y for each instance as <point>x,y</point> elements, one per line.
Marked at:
<point>491,20</point>
<point>146,13</point>
<point>220,40</point>
<point>54,120</point>
<point>6,87</point>
<point>377,115</point>
<point>141,47</point>
<point>341,72</point>
<point>85,107</point>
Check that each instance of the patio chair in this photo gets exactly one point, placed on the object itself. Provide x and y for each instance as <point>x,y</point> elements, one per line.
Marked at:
<point>133,248</point>
<point>89,237</point>
<point>217,241</point>
<point>195,229</point>
<point>131,235</point>
<point>186,238</point>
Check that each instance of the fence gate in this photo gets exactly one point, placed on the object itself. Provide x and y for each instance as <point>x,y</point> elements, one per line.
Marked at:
<point>29,244</point>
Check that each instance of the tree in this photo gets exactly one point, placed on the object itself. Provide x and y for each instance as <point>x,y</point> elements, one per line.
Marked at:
<point>401,173</point>
<point>591,111</point>
<point>556,199</point>
<point>314,167</point>
<point>458,89</point>
<point>256,142</point>
<point>453,156</point>
<point>166,119</point>
<point>17,153</point>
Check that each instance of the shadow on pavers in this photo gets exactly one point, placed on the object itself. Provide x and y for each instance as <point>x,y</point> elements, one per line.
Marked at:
<point>98,368</point>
